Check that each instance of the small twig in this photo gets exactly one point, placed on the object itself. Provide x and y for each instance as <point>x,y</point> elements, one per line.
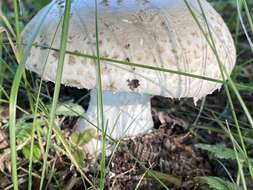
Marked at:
<point>121,175</point>
<point>73,181</point>
<point>33,174</point>
<point>142,177</point>
<point>200,111</point>
<point>8,151</point>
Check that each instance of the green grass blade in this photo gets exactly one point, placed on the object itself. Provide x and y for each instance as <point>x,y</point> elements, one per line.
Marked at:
<point>38,103</point>
<point>69,153</point>
<point>166,70</point>
<point>2,66</point>
<point>13,99</point>
<point>100,109</point>
<point>248,15</point>
<point>237,29</point>
<point>17,25</point>
<point>239,162</point>
<point>244,27</point>
<point>13,103</point>
<point>4,21</point>
<point>63,46</point>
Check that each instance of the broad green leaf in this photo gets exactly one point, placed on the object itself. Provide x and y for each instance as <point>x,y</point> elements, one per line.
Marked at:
<point>79,155</point>
<point>80,139</point>
<point>23,132</point>
<point>219,184</point>
<point>220,151</point>
<point>69,109</point>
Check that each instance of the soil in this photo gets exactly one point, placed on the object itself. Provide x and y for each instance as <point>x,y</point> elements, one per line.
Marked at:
<point>164,150</point>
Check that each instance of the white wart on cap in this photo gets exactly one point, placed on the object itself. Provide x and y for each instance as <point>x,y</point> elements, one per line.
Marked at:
<point>157,33</point>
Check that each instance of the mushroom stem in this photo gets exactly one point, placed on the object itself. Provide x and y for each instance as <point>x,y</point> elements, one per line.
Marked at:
<point>125,115</point>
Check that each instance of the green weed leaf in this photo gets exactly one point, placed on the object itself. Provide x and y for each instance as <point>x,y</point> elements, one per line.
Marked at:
<point>219,184</point>
<point>69,109</point>
<point>220,151</point>
<point>36,152</point>
<point>80,139</point>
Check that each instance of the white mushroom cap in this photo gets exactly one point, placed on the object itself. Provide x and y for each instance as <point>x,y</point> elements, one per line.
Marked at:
<point>159,33</point>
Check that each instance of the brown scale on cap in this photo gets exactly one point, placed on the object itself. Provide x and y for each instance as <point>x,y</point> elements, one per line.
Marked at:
<point>72,60</point>
<point>72,83</point>
<point>112,86</point>
<point>133,84</point>
<point>56,55</point>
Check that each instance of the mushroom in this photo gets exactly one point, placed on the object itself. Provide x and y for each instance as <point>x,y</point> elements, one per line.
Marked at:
<point>156,33</point>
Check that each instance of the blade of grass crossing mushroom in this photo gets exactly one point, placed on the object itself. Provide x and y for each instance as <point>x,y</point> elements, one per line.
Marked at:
<point>14,92</point>
<point>114,61</point>
<point>64,37</point>
<point>100,110</point>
